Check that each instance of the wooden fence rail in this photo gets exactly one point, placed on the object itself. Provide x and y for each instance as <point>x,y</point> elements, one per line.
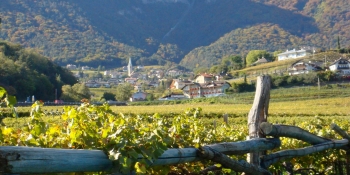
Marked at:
<point>15,159</point>
<point>46,160</point>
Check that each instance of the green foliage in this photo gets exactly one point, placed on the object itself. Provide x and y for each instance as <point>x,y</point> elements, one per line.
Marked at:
<point>80,33</point>
<point>327,75</point>
<point>26,73</point>
<point>303,79</point>
<point>150,97</point>
<point>166,53</point>
<point>280,81</point>
<point>254,55</point>
<point>108,96</point>
<point>7,101</point>
<point>236,62</point>
<point>200,70</point>
<point>76,92</point>
<point>124,92</point>
<point>241,87</point>
<point>126,137</point>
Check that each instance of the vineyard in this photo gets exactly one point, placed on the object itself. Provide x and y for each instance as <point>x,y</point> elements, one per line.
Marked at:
<point>125,133</point>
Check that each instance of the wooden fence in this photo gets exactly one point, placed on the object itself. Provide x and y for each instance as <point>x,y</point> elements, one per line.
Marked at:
<point>46,160</point>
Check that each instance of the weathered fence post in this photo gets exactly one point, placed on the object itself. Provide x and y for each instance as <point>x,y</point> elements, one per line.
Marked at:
<point>226,118</point>
<point>258,114</point>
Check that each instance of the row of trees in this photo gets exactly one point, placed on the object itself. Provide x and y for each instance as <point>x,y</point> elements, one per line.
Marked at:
<point>237,62</point>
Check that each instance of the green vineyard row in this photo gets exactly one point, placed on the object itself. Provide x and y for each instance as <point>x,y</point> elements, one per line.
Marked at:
<point>123,137</point>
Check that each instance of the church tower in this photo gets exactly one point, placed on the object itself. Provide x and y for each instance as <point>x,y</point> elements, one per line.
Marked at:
<point>129,68</point>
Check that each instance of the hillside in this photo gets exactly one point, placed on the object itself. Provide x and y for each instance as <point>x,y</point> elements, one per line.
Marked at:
<point>190,32</point>
<point>24,73</point>
<point>281,25</point>
<point>280,67</point>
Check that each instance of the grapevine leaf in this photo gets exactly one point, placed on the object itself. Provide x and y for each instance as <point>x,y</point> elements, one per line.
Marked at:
<point>140,168</point>
<point>11,100</point>
<point>2,92</point>
<point>6,131</point>
<point>133,154</point>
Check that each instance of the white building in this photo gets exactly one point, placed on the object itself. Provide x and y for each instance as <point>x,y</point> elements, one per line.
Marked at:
<point>341,66</point>
<point>85,68</point>
<point>292,54</point>
<point>71,66</point>
<point>302,67</point>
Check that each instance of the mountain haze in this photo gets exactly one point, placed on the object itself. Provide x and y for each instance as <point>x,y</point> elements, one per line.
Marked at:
<point>190,32</point>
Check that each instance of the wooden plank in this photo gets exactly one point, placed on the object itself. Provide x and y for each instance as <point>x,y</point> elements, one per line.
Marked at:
<point>280,155</point>
<point>227,162</point>
<point>176,156</point>
<point>45,160</point>
<point>292,132</point>
<point>341,132</point>
<point>258,114</point>
<point>48,160</point>
<point>243,147</point>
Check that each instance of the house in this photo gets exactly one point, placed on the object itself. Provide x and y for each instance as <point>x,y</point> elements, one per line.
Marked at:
<point>91,83</point>
<point>341,66</point>
<point>138,96</point>
<point>179,83</point>
<point>159,73</point>
<point>135,75</point>
<point>204,78</point>
<point>71,66</point>
<point>130,80</point>
<point>293,54</point>
<point>192,90</point>
<point>113,74</point>
<point>261,60</point>
<point>138,87</point>
<point>174,73</point>
<point>173,96</point>
<point>208,89</point>
<point>153,84</point>
<point>113,81</point>
<point>303,67</point>
<point>85,68</point>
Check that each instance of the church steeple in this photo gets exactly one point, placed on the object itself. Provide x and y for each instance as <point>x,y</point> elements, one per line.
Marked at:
<point>129,68</point>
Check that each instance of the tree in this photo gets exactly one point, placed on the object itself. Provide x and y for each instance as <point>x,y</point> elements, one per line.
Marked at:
<point>108,96</point>
<point>236,62</point>
<point>144,86</point>
<point>219,69</point>
<point>201,70</point>
<point>254,55</point>
<point>150,97</point>
<point>124,92</point>
<point>76,92</point>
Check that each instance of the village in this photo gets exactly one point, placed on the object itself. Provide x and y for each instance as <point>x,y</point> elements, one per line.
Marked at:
<point>180,84</point>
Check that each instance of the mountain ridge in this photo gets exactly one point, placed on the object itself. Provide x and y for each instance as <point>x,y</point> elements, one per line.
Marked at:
<point>158,31</point>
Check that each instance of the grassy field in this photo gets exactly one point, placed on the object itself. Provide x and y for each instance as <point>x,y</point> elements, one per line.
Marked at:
<point>328,106</point>
<point>98,92</point>
<point>300,102</point>
<point>298,110</point>
<point>309,101</point>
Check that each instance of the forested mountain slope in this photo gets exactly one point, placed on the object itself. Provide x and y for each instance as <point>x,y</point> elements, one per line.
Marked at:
<point>106,32</point>
<point>24,72</point>
<point>319,25</point>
